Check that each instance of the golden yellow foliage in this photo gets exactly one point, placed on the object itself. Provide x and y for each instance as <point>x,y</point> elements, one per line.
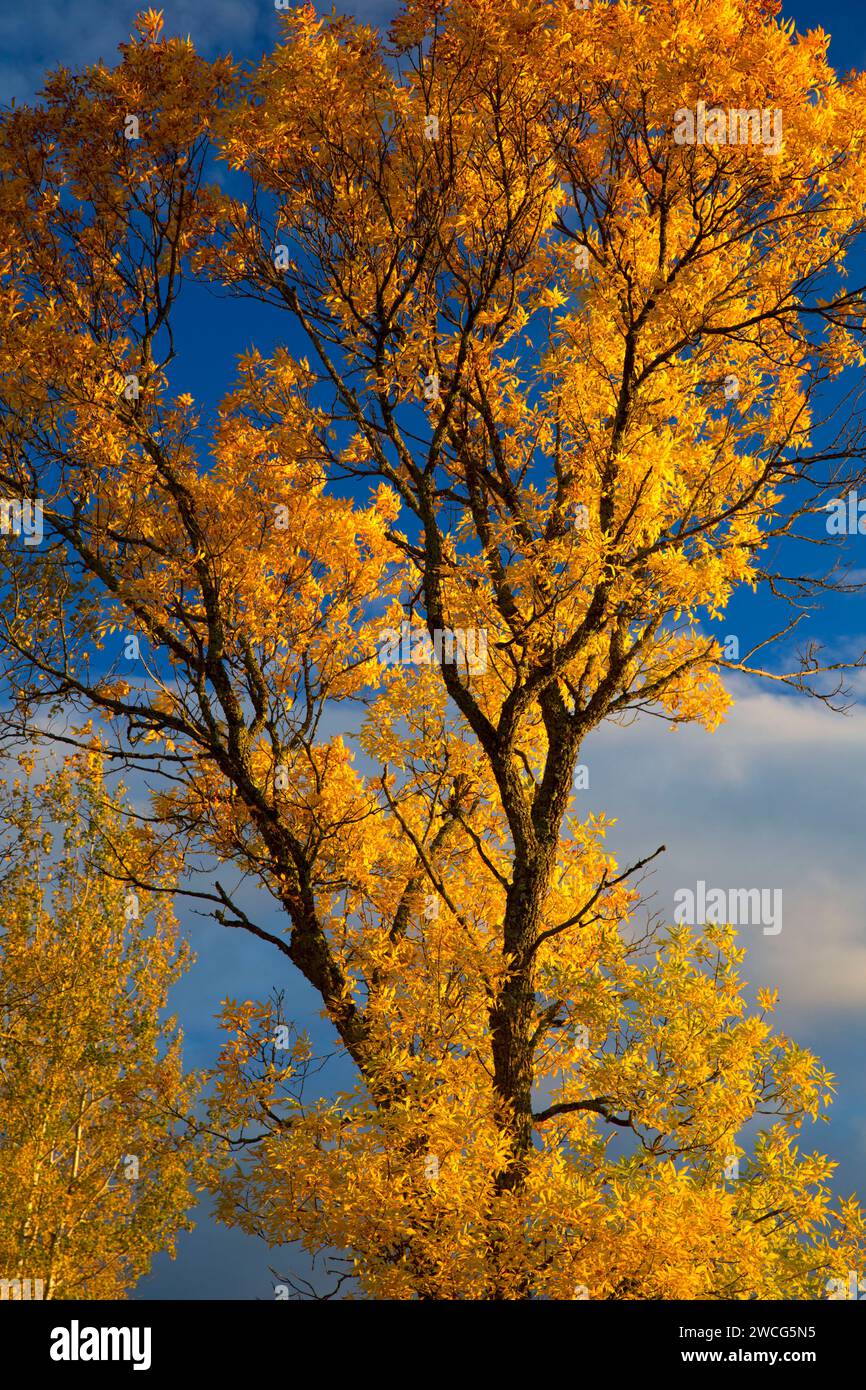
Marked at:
<point>552,397</point>
<point>94,1179</point>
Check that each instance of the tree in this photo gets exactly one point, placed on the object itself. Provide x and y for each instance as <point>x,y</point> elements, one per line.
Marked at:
<point>557,387</point>
<point>94,1178</point>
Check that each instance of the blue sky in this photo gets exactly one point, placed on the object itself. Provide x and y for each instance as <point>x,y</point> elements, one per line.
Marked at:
<point>776,797</point>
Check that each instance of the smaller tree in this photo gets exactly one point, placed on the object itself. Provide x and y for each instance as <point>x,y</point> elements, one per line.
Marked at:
<point>93,1169</point>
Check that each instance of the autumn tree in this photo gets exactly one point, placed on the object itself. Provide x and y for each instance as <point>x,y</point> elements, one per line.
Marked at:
<point>554,386</point>
<point>94,1174</point>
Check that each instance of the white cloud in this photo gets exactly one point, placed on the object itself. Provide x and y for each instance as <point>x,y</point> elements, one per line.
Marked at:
<point>774,799</point>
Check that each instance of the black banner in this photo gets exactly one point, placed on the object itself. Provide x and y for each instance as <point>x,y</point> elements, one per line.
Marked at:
<point>82,1342</point>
